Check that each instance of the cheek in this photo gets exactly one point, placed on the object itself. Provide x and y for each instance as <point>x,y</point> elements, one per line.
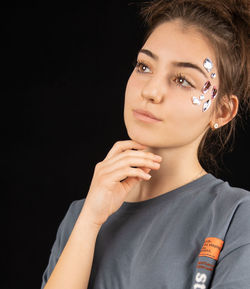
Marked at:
<point>133,90</point>
<point>133,83</point>
<point>180,104</point>
<point>185,115</point>
<point>130,93</point>
<point>177,108</point>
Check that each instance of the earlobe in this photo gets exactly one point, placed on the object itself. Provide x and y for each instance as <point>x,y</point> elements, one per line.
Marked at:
<point>214,126</point>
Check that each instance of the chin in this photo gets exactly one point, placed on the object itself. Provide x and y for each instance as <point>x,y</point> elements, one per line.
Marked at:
<point>140,137</point>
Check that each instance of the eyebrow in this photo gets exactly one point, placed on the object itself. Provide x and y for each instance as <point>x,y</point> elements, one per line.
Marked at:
<point>189,65</point>
<point>149,53</point>
<point>175,63</point>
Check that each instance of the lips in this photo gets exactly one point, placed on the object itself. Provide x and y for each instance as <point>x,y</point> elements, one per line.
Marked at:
<point>146,113</point>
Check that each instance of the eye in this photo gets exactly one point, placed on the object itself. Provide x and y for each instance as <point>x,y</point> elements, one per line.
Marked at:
<point>141,67</point>
<point>181,80</point>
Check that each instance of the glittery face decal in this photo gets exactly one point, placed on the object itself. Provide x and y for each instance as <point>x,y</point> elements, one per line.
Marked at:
<point>214,92</point>
<point>206,105</point>
<point>207,87</point>
<point>208,65</point>
<point>196,100</point>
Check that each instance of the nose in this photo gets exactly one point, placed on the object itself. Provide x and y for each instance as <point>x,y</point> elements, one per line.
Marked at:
<point>154,89</point>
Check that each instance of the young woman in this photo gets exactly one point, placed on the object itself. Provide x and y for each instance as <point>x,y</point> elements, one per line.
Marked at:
<point>180,226</point>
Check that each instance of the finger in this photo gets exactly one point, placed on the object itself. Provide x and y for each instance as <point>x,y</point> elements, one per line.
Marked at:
<point>121,146</point>
<point>121,175</point>
<point>129,182</point>
<point>134,162</point>
<point>146,170</point>
<point>132,154</point>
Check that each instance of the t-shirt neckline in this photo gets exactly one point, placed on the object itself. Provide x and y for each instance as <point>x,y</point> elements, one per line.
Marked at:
<point>197,183</point>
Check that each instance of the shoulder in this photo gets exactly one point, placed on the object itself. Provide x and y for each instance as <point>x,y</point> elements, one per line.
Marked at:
<point>67,224</point>
<point>234,201</point>
<point>75,208</point>
<point>238,200</point>
<point>228,209</point>
<point>64,230</point>
<point>227,196</point>
<point>233,206</point>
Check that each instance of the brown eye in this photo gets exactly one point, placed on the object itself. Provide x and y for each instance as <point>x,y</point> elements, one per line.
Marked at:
<point>141,67</point>
<point>182,81</point>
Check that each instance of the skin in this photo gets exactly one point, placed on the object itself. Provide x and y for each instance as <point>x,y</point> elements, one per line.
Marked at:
<point>156,87</point>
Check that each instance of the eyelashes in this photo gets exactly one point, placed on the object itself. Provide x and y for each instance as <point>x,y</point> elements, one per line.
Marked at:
<point>179,79</point>
<point>139,65</point>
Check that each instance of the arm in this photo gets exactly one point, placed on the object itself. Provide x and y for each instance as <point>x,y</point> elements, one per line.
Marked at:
<point>74,265</point>
<point>233,270</point>
<point>113,179</point>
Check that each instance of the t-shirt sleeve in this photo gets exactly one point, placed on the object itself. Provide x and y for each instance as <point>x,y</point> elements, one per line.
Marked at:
<point>64,230</point>
<point>232,270</point>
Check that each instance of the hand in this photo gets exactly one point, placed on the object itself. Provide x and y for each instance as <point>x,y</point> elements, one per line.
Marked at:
<point>124,166</point>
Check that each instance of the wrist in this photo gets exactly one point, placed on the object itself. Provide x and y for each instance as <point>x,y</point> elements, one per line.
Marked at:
<point>86,217</point>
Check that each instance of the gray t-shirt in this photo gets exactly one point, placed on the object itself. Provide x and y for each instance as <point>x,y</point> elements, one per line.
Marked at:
<point>196,236</point>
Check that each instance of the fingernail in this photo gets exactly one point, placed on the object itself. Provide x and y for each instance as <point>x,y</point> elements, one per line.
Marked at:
<point>158,158</point>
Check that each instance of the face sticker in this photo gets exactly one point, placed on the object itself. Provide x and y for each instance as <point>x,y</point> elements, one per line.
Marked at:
<point>206,87</point>
<point>208,65</point>
<point>206,105</point>
<point>214,92</point>
<point>196,100</point>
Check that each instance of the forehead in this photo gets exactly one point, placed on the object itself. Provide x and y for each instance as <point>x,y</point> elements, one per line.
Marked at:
<point>175,41</point>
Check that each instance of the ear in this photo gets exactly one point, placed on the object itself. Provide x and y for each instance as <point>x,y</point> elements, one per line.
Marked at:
<point>226,110</point>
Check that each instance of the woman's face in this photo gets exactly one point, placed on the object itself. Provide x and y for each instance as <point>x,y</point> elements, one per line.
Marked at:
<point>169,73</point>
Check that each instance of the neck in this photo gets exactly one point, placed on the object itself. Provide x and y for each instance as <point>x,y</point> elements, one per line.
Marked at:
<point>179,166</point>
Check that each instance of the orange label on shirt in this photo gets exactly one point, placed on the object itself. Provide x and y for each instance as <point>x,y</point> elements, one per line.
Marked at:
<point>211,248</point>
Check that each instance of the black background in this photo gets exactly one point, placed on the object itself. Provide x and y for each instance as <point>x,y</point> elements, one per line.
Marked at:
<point>65,68</point>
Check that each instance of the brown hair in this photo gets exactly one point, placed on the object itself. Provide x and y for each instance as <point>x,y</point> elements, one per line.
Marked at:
<point>226,24</point>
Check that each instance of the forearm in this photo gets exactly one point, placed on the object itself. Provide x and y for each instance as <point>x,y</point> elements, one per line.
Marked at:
<point>74,265</point>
